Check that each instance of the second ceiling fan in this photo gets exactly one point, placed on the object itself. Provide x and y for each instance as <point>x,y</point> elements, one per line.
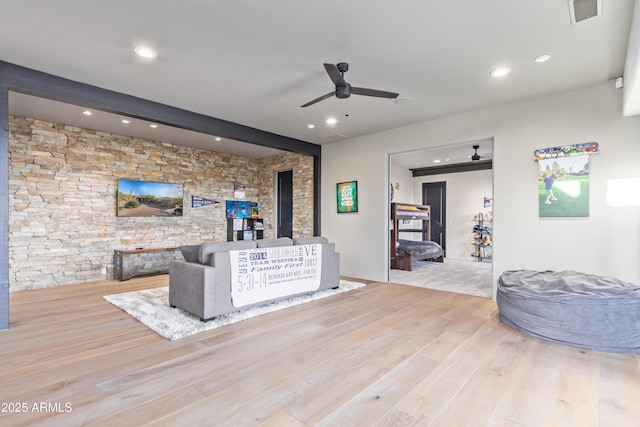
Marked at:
<point>344,89</point>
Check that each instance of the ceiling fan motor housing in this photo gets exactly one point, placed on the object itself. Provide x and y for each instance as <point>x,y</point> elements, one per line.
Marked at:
<point>343,91</point>
<point>343,67</point>
<point>475,155</point>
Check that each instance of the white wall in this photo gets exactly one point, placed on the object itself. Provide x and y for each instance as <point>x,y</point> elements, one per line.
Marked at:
<point>465,198</point>
<point>606,243</point>
<point>403,179</point>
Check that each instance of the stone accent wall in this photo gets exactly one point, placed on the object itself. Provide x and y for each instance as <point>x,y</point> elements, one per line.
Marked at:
<point>302,167</point>
<point>63,226</point>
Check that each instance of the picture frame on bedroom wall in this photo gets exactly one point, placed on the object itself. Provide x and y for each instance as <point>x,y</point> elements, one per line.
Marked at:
<point>347,197</point>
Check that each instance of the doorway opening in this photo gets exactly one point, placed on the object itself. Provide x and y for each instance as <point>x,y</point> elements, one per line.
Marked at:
<point>434,194</point>
<point>458,190</point>
<point>284,211</point>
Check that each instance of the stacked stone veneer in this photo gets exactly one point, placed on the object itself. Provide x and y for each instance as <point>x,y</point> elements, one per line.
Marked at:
<point>63,226</point>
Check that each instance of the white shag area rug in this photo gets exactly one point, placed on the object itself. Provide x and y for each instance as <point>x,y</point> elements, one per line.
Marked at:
<point>151,307</point>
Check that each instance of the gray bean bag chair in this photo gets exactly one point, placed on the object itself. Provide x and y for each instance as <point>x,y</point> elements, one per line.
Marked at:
<point>581,310</point>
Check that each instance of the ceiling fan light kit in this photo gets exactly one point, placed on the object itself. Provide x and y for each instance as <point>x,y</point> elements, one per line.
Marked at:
<point>343,89</point>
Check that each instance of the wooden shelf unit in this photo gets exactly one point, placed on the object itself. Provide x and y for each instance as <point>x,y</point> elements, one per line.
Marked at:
<point>402,212</point>
<point>253,227</point>
<point>482,247</point>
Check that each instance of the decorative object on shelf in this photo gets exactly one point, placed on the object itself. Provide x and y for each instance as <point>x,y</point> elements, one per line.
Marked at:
<point>198,202</point>
<point>245,229</point>
<point>238,209</point>
<point>585,148</point>
<point>254,210</point>
<point>482,236</point>
<point>347,194</point>
<point>239,191</point>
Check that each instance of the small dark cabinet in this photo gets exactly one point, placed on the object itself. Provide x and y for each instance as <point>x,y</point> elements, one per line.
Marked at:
<point>244,229</point>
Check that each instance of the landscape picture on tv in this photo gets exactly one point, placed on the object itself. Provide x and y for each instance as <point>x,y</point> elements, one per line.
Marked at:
<point>147,198</point>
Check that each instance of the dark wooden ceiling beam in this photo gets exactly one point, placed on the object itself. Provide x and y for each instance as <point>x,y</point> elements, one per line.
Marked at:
<point>38,83</point>
<point>454,168</point>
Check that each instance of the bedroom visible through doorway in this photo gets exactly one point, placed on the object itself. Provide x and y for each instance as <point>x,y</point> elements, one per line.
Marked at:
<point>457,189</point>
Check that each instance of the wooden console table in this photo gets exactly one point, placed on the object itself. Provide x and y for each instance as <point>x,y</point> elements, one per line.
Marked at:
<point>122,271</point>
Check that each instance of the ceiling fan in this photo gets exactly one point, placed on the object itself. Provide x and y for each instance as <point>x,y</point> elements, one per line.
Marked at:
<point>475,155</point>
<point>344,89</point>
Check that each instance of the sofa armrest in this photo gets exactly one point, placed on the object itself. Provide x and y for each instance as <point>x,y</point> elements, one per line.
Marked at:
<point>330,267</point>
<point>192,287</point>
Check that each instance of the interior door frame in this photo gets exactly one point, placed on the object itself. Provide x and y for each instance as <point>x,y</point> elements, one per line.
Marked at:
<point>466,167</point>
<point>443,210</point>
<point>278,210</point>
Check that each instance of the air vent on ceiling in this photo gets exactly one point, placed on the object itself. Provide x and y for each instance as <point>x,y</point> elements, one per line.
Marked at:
<point>335,138</point>
<point>579,10</point>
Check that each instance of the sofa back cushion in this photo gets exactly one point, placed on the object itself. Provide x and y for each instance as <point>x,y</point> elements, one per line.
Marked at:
<point>272,243</point>
<point>207,249</point>
<point>309,240</point>
<point>190,252</point>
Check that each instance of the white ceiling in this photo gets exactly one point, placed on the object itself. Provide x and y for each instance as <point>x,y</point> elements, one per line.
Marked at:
<point>255,63</point>
<point>442,156</point>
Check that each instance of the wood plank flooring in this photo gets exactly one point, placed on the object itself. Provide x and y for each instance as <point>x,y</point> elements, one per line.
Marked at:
<point>383,355</point>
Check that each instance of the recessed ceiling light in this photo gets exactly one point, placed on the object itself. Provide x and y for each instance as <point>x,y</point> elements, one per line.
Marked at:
<point>542,58</point>
<point>436,161</point>
<point>331,121</point>
<point>87,113</point>
<point>153,125</point>
<point>311,125</point>
<point>218,138</point>
<point>145,52</point>
<point>125,121</point>
<point>500,72</point>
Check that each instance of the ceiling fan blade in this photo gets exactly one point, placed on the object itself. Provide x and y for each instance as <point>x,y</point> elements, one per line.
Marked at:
<point>373,92</point>
<point>334,74</point>
<point>322,98</point>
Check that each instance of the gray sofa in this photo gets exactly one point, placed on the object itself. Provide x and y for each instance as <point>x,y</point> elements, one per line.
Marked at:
<point>201,284</point>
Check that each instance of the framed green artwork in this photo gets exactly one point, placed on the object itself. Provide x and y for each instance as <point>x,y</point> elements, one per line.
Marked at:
<point>347,193</point>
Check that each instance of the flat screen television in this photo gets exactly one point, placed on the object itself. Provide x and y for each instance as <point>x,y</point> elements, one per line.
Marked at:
<point>238,209</point>
<point>148,198</point>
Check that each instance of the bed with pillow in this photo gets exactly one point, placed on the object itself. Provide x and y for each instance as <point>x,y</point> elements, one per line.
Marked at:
<point>408,251</point>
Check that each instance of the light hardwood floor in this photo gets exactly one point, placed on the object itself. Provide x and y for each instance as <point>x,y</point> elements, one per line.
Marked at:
<point>383,355</point>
